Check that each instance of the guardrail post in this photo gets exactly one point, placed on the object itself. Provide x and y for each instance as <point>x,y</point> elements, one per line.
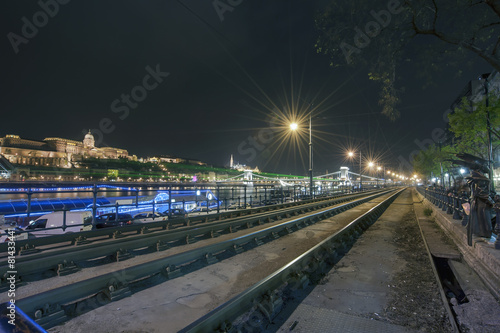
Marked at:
<point>29,203</point>
<point>195,198</point>
<point>465,219</point>
<point>170,202</point>
<point>64,217</point>
<point>94,203</point>
<point>449,209</point>
<point>497,227</point>
<point>136,198</point>
<point>218,201</point>
<point>245,198</point>
<point>265,195</point>
<point>456,207</point>
<point>444,198</point>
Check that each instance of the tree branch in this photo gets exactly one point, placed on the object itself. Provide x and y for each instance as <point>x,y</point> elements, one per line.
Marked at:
<point>494,5</point>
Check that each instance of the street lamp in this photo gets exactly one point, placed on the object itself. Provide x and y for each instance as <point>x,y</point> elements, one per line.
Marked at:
<point>294,127</point>
<point>488,127</point>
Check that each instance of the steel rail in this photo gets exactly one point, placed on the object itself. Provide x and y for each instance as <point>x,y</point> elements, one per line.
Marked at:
<point>263,299</point>
<point>62,260</point>
<point>71,237</point>
<point>51,307</point>
<point>442,293</point>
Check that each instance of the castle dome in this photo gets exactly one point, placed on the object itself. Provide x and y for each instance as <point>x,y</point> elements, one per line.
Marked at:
<point>88,141</point>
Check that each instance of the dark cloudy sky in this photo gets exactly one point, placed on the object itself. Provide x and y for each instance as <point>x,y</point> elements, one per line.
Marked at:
<point>224,78</point>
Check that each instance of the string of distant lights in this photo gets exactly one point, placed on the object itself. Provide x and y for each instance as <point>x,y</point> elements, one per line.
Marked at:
<point>13,209</point>
<point>73,188</point>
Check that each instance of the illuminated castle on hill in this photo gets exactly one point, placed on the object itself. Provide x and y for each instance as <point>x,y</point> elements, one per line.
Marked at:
<point>55,152</point>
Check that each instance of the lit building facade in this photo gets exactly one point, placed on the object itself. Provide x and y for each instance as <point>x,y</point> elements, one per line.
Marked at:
<point>55,152</point>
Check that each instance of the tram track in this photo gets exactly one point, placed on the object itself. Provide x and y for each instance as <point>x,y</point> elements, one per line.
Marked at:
<point>258,306</point>
<point>158,236</point>
<point>54,306</point>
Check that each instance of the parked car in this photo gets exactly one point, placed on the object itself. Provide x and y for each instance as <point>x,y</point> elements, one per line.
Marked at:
<point>53,224</point>
<point>13,234</point>
<point>113,220</point>
<point>149,217</point>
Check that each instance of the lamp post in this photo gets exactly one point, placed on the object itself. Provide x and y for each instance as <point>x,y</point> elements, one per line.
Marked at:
<point>294,127</point>
<point>310,157</point>
<point>488,127</point>
<point>351,154</point>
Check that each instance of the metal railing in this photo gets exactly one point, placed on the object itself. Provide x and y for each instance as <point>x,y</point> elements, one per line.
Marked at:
<point>448,201</point>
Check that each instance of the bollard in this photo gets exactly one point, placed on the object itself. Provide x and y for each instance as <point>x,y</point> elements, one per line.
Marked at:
<point>497,225</point>
<point>450,206</point>
<point>440,199</point>
<point>456,207</point>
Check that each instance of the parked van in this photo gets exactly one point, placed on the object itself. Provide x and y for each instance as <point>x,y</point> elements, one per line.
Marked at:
<point>40,226</point>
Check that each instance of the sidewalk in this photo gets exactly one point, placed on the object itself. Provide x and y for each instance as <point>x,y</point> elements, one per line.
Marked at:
<point>483,258</point>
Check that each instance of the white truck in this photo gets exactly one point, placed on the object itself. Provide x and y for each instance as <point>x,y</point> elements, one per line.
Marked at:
<point>75,222</point>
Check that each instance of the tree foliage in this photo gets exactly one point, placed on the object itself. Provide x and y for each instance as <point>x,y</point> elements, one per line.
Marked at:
<point>469,126</point>
<point>428,162</point>
<point>383,35</point>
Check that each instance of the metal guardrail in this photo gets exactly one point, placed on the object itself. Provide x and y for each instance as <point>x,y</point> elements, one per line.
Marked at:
<point>54,306</point>
<point>62,260</point>
<point>266,296</point>
<point>450,202</point>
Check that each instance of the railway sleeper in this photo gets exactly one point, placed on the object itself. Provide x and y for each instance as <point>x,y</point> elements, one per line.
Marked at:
<point>232,228</point>
<point>80,240</point>
<point>66,268</point>
<point>117,293</point>
<point>210,259</point>
<point>274,235</point>
<point>28,249</point>
<point>270,305</point>
<point>213,234</point>
<point>258,241</point>
<point>160,246</point>
<point>50,315</point>
<point>171,271</point>
<point>237,249</point>
<point>117,234</point>
<point>190,239</point>
<point>122,255</point>
<point>297,280</point>
<point>5,284</point>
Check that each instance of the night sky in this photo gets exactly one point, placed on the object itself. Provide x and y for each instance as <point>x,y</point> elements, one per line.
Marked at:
<point>216,83</point>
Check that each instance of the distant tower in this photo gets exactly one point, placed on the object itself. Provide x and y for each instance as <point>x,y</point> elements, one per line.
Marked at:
<point>89,141</point>
<point>231,162</point>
